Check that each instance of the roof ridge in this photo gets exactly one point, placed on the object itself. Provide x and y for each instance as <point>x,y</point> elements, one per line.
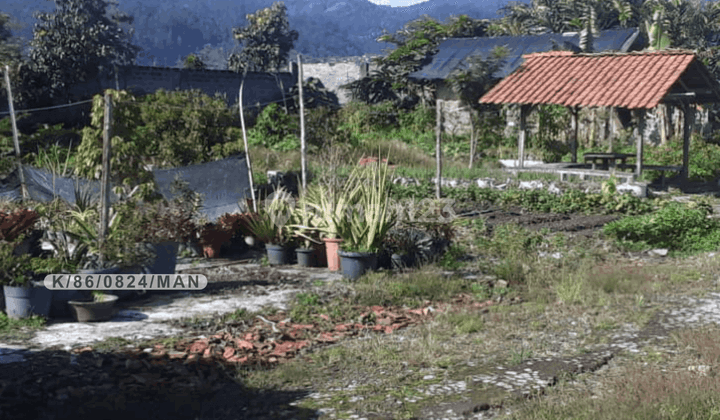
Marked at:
<point>669,51</point>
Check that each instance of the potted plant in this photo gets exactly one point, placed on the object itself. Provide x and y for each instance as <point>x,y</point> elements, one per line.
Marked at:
<point>270,226</point>
<point>367,222</point>
<point>238,224</point>
<point>305,230</point>
<point>100,308</point>
<point>402,247</point>
<point>330,202</point>
<point>166,224</point>
<point>23,296</point>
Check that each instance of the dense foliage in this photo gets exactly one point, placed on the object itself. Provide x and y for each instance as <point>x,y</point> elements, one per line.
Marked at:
<point>166,129</point>
<point>75,42</point>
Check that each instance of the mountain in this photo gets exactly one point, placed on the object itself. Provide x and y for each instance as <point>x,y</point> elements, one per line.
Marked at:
<point>168,30</point>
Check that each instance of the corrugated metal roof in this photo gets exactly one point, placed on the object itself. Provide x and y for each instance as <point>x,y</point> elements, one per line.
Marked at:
<point>627,80</point>
<point>452,53</point>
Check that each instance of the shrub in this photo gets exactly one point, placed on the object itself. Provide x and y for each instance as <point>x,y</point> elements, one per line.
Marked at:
<point>166,128</point>
<point>675,226</point>
<point>275,130</point>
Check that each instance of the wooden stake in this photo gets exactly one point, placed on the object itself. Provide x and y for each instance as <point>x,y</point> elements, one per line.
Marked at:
<point>303,149</point>
<point>18,162</point>
<point>686,140</point>
<point>247,148</point>
<point>105,179</point>
<point>523,133</point>
<point>473,140</point>
<point>438,149</point>
<point>640,143</point>
<point>574,129</point>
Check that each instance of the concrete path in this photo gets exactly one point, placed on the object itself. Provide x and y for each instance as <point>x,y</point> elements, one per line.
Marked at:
<point>147,320</point>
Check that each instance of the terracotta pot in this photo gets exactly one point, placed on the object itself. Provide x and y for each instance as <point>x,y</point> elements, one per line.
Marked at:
<point>332,246</point>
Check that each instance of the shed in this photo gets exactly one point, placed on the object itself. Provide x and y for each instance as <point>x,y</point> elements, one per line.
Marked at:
<point>635,81</point>
<point>453,54</point>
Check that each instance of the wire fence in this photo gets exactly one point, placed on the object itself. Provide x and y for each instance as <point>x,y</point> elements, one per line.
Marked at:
<point>18,111</point>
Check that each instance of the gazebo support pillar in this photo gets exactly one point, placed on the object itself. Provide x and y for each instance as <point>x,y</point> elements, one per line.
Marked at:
<point>640,114</point>
<point>574,132</point>
<point>524,109</point>
<point>687,118</point>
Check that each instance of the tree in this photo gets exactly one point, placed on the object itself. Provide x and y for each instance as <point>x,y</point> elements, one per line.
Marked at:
<point>473,82</point>
<point>9,47</point>
<point>415,44</point>
<point>267,40</point>
<point>76,42</point>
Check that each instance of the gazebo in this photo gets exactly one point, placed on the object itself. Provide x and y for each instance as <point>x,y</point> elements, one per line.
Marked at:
<point>636,81</point>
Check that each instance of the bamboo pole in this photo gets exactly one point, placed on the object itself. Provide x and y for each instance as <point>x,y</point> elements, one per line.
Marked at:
<point>303,148</point>
<point>18,162</point>
<point>247,148</point>
<point>105,179</point>
<point>438,149</point>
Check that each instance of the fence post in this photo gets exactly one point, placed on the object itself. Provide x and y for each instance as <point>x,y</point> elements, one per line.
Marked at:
<point>18,162</point>
<point>303,149</point>
<point>438,149</point>
<point>105,179</point>
<point>247,149</point>
<point>473,140</point>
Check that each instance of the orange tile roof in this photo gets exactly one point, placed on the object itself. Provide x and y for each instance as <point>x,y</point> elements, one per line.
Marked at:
<point>627,80</point>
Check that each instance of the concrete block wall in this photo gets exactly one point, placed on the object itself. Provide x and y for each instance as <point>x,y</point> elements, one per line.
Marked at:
<point>259,87</point>
<point>336,71</point>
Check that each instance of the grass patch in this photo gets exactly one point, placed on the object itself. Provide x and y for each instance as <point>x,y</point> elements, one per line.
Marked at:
<point>10,327</point>
<point>676,391</point>
<point>411,289</point>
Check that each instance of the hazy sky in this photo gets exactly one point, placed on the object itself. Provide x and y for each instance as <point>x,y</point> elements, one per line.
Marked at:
<point>397,3</point>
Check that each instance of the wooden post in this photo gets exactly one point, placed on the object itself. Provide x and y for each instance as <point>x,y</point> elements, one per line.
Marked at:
<point>303,149</point>
<point>574,132</point>
<point>473,140</point>
<point>438,149</point>
<point>105,179</point>
<point>247,148</point>
<point>687,116</point>
<point>521,137</point>
<point>18,162</point>
<point>611,123</point>
<point>640,143</point>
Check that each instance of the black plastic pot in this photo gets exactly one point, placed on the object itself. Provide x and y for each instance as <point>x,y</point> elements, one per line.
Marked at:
<point>355,264</point>
<point>278,254</point>
<point>306,257</point>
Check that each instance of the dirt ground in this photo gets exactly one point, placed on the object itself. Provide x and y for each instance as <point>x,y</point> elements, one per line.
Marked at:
<point>127,381</point>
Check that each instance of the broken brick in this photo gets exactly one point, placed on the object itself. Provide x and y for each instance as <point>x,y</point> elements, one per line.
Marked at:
<point>198,346</point>
<point>229,351</point>
<point>244,344</point>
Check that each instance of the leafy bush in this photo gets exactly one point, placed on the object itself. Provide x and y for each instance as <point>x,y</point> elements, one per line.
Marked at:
<point>361,118</point>
<point>675,226</point>
<point>418,120</point>
<point>165,128</point>
<point>322,128</point>
<point>704,157</point>
<point>275,130</point>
